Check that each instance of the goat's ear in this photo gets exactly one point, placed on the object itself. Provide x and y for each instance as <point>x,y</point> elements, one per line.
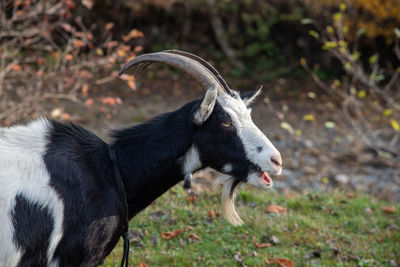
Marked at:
<point>206,106</point>
<point>250,97</point>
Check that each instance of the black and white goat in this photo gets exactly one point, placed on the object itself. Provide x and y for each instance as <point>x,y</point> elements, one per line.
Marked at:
<point>59,200</point>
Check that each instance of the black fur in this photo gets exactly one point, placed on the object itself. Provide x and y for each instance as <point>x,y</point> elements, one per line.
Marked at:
<point>150,160</point>
<point>33,225</point>
<point>80,171</point>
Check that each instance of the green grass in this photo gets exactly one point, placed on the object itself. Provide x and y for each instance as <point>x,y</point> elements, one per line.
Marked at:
<point>315,223</point>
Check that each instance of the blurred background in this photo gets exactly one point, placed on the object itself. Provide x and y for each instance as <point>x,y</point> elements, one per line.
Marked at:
<point>330,72</point>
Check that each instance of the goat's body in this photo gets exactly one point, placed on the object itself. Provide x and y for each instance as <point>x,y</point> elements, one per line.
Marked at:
<point>58,204</point>
<point>59,179</point>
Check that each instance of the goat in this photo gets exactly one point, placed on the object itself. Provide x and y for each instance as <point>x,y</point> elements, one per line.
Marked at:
<point>60,204</point>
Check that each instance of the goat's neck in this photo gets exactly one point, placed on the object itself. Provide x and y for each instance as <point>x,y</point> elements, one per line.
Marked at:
<point>151,156</point>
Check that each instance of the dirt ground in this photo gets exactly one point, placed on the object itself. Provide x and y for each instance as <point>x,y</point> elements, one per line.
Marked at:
<point>315,157</point>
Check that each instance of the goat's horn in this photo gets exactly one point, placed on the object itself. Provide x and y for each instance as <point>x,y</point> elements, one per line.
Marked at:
<point>205,64</point>
<point>196,70</point>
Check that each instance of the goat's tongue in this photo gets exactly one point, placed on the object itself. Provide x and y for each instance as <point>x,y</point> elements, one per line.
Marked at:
<point>266,177</point>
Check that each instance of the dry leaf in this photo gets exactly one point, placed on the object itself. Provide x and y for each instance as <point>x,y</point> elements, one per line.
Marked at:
<point>16,67</point>
<point>88,3</point>
<point>109,26</point>
<point>89,102</point>
<point>67,27</point>
<point>68,57</point>
<point>85,90</point>
<point>280,261</point>
<point>172,234</point>
<point>388,209</point>
<point>79,43</point>
<point>143,264</point>
<point>212,214</point>
<point>276,209</point>
<point>194,237</point>
<point>109,101</point>
<point>192,198</point>
<point>258,245</point>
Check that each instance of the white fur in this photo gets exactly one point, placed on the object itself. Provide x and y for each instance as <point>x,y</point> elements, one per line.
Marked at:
<point>206,106</point>
<point>250,135</point>
<point>191,161</point>
<point>227,168</point>
<point>228,203</point>
<point>22,171</point>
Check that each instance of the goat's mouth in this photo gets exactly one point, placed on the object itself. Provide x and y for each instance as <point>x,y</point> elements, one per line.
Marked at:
<point>266,179</point>
<point>262,178</point>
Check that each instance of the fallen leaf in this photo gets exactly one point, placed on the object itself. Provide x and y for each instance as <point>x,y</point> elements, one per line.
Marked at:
<point>258,245</point>
<point>109,101</point>
<point>67,27</point>
<point>194,237</point>
<point>109,26</point>
<point>132,85</point>
<point>68,57</point>
<point>143,264</point>
<point>89,102</point>
<point>79,43</point>
<point>280,261</point>
<point>212,214</point>
<point>192,198</point>
<point>85,90</point>
<point>16,67</point>
<point>388,209</point>
<point>88,3</point>
<point>172,234</point>
<point>276,209</point>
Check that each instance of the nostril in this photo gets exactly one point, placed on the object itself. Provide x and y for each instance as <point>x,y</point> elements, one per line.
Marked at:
<point>276,160</point>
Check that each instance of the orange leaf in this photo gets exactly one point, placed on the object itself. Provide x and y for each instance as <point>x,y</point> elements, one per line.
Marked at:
<point>85,90</point>
<point>143,264</point>
<point>276,209</point>
<point>132,34</point>
<point>388,209</point>
<point>109,101</point>
<point>194,237</point>
<point>138,48</point>
<point>89,102</point>
<point>169,235</point>
<point>258,245</point>
<point>79,43</point>
<point>16,67</point>
<point>68,57</point>
<point>212,214</point>
<point>192,198</point>
<point>280,261</point>
<point>132,85</point>
<point>88,3</point>
<point>109,26</point>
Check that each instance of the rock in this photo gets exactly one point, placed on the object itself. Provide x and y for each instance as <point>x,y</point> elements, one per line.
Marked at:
<point>309,170</point>
<point>341,179</point>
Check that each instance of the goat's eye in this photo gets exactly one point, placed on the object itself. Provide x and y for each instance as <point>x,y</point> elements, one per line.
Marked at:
<point>227,123</point>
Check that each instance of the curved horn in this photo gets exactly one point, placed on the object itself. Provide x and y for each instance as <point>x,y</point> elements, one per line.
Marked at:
<point>196,70</point>
<point>205,64</point>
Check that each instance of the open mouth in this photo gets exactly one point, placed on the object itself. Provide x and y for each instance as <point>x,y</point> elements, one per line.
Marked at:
<point>265,178</point>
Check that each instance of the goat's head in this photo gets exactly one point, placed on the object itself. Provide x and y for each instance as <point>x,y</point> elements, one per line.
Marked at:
<point>224,136</point>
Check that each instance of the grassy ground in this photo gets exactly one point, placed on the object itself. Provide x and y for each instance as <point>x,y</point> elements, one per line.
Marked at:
<point>330,229</point>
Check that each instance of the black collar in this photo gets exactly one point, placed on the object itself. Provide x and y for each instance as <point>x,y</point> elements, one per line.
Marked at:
<point>122,193</point>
